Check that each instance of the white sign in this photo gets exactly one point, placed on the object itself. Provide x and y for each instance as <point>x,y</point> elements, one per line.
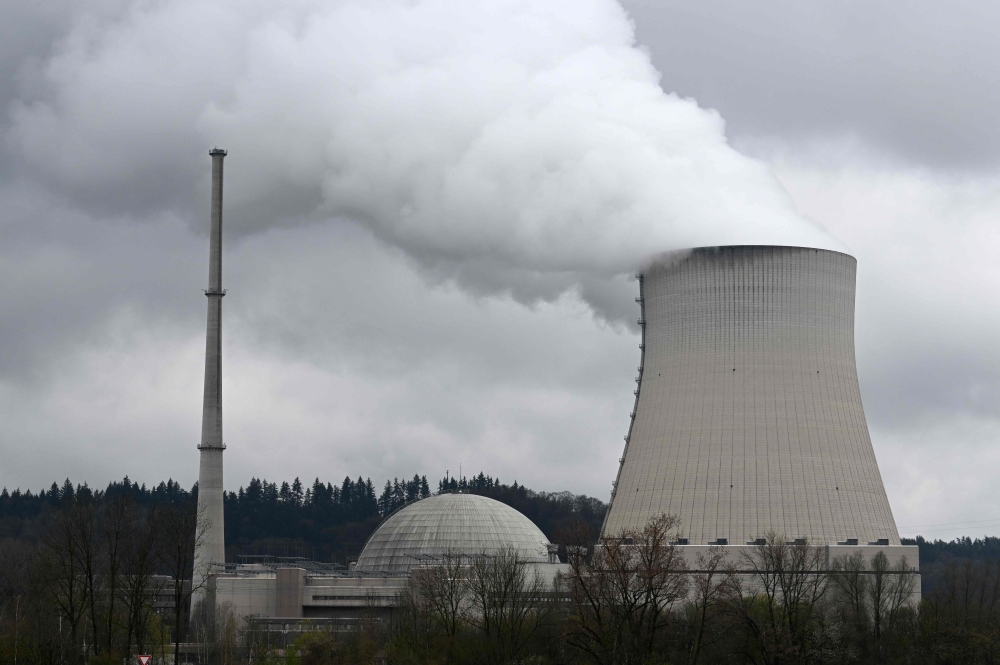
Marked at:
<point>144,660</point>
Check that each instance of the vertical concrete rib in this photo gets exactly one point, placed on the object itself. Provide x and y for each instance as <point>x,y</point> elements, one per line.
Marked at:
<point>210,551</point>
<point>748,414</point>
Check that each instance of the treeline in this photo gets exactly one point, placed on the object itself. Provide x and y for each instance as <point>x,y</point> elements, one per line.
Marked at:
<point>97,576</point>
<point>941,561</point>
<point>933,551</point>
<point>322,521</point>
<point>105,579</point>
<point>330,522</point>
<point>26,516</point>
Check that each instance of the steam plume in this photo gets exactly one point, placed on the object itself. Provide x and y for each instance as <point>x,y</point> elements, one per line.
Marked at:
<point>512,145</point>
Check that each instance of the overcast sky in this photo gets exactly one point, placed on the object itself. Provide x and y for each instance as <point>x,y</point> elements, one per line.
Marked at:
<point>432,213</point>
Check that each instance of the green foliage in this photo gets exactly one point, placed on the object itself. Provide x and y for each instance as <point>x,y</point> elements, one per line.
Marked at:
<point>107,658</point>
<point>325,648</point>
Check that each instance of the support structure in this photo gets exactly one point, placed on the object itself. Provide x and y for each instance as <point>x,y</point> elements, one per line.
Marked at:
<point>210,548</point>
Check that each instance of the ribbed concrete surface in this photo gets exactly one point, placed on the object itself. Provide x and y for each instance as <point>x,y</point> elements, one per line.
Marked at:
<point>749,415</point>
<point>211,549</point>
<point>464,524</point>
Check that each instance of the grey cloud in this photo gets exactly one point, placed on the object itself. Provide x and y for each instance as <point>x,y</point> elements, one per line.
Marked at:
<point>340,355</point>
<point>64,274</point>
<point>912,78</point>
<point>387,311</point>
<point>927,310</point>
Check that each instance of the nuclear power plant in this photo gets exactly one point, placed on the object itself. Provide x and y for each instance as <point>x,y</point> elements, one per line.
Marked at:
<point>747,426</point>
<point>748,415</point>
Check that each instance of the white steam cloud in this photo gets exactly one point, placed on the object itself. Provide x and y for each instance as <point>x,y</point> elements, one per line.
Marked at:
<point>511,145</point>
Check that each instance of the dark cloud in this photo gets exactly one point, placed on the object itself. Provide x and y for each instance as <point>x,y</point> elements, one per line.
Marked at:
<point>390,310</point>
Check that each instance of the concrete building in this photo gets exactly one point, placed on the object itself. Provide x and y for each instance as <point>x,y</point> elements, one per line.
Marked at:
<point>419,534</point>
<point>210,550</point>
<point>748,415</point>
<point>300,589</point>
<point>464,524</point>
<point>748,421</point>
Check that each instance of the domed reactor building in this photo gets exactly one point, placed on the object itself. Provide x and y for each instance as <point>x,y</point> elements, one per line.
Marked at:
<point>451,524</point>
<point>748,416</point>
<point>279,591</point>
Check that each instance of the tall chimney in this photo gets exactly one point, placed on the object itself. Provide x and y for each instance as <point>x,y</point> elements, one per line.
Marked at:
<point>210,549</point>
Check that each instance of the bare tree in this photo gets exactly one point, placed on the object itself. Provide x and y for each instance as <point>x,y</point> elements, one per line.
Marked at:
<point>871,596</point>
<point>878,594</point>
<point>116,517</point>
<point>890,589</point>
<point>16,572</point>
<point>849,580</point>
<point>82,515</point>
<point>708,586</point>
<point>622,596</point>
<point>219,640</point>
<point>61,561</point>
<point>180,529</point>
<point>964,610</point>
<point>139,587</point>
<point>258,645</point>
<point>776,598</point>
<point>442,592</point>
<point>508,602</point>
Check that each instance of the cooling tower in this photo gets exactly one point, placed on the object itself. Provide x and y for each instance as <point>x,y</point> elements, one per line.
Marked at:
<point>748,415</point>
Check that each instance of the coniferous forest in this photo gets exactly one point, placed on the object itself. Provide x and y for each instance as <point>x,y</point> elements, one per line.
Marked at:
<point>330,522</point>
<point>322,521</point>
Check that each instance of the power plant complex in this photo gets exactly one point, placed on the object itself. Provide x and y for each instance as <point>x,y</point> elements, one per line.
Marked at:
<point>747,425</point>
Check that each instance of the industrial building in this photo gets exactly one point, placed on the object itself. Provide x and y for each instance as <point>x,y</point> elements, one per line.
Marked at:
<point>747,422</point>
<point>748,417</point>
<point>419,534</point>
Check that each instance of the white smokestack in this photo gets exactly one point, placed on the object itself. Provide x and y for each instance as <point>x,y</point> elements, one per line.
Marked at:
<point>210,549</point>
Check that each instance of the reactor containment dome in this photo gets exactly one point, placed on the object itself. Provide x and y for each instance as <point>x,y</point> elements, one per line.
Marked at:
<point>461,524</point>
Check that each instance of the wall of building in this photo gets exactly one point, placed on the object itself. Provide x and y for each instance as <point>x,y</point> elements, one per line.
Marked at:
<point>247,595</point>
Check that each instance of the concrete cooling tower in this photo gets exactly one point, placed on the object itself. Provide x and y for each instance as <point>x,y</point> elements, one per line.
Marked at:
<point>748,415</point>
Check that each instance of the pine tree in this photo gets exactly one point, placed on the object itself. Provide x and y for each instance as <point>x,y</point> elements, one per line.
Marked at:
<point>385,501</point>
